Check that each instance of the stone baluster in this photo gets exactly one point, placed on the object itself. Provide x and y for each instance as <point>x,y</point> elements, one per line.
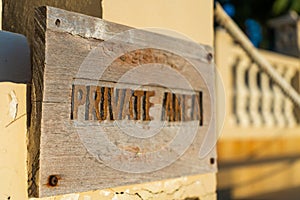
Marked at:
<point>255,96</point>
<point>267,100</point>
<point>231,89</point>
<point>279,100</point>
<point>288,104</point>
<point>242,93</point>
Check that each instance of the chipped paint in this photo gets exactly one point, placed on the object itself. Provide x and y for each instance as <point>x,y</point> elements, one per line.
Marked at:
<point>13,105</point>
<point>115,197</point>
<point>183,189</point>
<point>105,193</point>
<point>87,197</point>
<point>127,191</point>
<point>70,197</point>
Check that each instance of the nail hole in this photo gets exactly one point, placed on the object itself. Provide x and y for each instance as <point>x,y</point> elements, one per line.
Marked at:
<point>123,58</point>
<point>212,161</point>
<point>209,57</point>
<point>57,22</point>
<point>53,180</point>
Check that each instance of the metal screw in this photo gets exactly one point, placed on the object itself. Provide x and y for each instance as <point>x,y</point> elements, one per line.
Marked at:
<point>53,180</point>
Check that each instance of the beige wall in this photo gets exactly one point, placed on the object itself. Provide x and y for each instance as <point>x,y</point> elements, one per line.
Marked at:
<point>12,141</point>
<point>193,19</point>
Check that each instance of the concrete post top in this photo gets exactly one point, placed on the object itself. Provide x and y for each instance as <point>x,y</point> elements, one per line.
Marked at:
<point>14,58</point>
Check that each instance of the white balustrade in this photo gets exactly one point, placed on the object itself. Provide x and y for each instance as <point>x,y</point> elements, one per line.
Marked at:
<point>255,96</point>
<point>290,117</point>
<point>242,93</point>
<point>279,100</point>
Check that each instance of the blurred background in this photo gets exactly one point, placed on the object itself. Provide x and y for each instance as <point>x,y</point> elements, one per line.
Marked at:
<point>255,17</point>
<point>259,153</point>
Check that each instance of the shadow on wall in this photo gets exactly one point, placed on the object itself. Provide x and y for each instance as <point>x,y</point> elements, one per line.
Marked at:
<point>291,193</point>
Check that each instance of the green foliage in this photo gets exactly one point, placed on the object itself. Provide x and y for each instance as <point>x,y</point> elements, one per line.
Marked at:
<point>282,6</point>
<point>279,6</point>
<point>296,6</point>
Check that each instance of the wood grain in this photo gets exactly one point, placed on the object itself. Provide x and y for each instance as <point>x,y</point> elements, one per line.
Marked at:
<point>68,148</point>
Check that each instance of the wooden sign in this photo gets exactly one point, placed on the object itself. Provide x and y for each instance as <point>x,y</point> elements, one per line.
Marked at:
<point>113,106</point>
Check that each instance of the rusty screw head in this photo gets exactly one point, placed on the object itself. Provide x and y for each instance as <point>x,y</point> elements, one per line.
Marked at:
<point>209,57</point>
<point>53,180</point>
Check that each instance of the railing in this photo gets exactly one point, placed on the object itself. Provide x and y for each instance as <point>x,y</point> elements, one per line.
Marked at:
<point>252,99</point>
<point>258,152</point>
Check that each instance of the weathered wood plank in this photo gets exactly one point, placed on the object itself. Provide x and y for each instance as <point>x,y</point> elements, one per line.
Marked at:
<point>113,109</point>
<point>18,16</point>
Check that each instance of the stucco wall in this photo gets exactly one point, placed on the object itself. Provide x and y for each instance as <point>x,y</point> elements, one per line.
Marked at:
<point>12,141</point>
<point>193,19</point>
